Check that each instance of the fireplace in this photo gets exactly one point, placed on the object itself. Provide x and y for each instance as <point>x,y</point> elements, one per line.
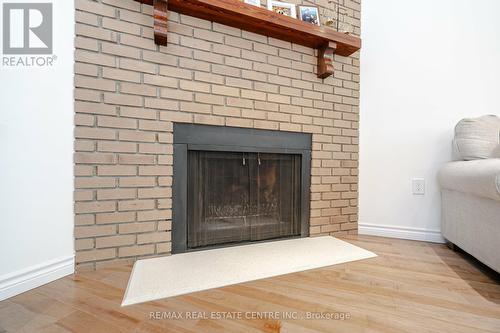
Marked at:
<point>236,185</point>
<point>238,197</point>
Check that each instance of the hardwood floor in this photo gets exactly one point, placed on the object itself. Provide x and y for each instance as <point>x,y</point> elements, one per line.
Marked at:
<point>409,287</point>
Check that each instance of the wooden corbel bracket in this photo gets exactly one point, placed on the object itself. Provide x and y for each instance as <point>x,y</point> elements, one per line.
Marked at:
<point>160,16</point>
<point>325,59</point>
<point>160,13</point>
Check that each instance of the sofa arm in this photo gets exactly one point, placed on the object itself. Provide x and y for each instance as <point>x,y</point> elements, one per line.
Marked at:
<point>479,177</point>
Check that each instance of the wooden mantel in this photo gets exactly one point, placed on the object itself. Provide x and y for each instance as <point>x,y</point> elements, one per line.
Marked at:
<point>236,13</point>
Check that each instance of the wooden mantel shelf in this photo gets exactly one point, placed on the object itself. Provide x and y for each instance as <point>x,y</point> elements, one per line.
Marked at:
<point>236,13</point>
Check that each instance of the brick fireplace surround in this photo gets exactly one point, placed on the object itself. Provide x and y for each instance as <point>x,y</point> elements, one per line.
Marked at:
<point>129,92</point>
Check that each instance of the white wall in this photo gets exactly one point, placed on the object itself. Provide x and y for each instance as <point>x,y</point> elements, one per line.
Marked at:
<point>424,66</point>
<point>36,169</point>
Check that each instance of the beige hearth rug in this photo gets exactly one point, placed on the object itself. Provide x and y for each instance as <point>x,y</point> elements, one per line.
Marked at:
<point>179,274</point>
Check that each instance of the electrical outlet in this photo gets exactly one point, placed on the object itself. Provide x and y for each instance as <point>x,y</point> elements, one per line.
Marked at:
<point>418,186</point>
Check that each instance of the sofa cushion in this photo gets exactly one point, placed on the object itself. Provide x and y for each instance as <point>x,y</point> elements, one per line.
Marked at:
<point>480,177</point>
<point>477,138</point>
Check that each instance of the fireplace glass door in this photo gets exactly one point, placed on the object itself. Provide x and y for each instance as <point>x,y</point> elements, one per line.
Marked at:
<point>242,197</point>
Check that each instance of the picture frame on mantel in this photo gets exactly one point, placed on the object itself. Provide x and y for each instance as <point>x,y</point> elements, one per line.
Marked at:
<point>309,14</point>
<point>252,2</point>
<point>282,8</point>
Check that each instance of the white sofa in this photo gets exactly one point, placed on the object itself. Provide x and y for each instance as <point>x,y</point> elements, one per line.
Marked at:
<point>471,190</point>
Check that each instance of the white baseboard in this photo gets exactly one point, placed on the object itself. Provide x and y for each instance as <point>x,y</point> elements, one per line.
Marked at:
<point>18,282</point>
<point>418,234</point>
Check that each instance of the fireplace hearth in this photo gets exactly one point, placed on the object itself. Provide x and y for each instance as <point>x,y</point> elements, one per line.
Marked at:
<point>236,185</point>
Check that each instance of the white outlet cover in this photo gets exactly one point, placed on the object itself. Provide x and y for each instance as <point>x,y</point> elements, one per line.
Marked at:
<point>418,186</point>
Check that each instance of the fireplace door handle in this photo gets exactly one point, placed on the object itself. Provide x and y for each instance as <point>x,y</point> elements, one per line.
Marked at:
<point>244,161</point>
